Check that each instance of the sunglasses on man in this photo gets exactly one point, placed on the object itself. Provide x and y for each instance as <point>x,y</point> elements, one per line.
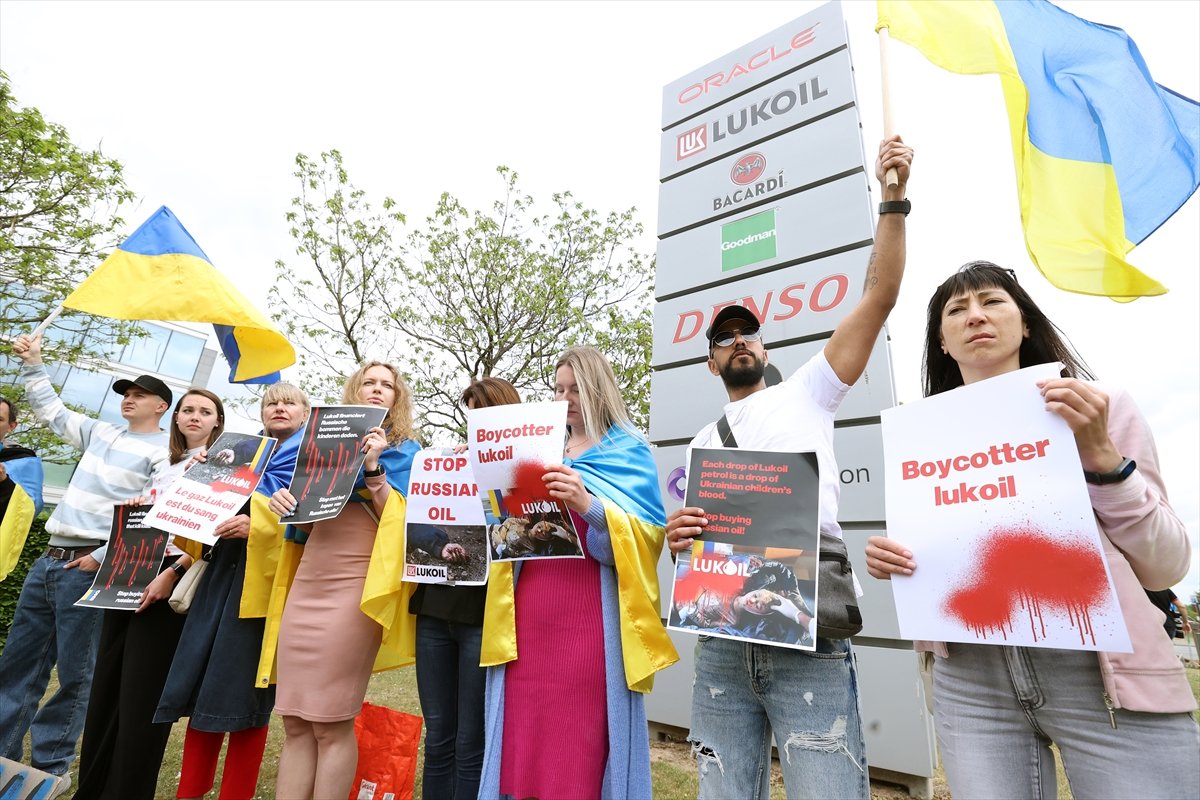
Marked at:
<point>750,333</point>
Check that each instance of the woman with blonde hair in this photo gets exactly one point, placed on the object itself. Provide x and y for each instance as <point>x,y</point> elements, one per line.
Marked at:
<point>574,643</point>
<point>331,632</point>
<point>212,678</point>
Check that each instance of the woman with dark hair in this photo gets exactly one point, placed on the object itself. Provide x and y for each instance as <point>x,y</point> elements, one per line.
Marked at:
<point>122,744</point>
<point>212,680</point>
<point>343,608</point>
<point>1122,721</point>
<point>573,643</point>
<point>450,681</point>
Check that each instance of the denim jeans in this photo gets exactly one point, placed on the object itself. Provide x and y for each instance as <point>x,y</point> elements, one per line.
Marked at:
<point>997,709</point>
<point>450,683</point>
<point>744,691</point>
<point>48,629</point>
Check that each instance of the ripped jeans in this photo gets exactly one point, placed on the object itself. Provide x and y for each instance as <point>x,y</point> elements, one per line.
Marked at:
<point>809,699</point>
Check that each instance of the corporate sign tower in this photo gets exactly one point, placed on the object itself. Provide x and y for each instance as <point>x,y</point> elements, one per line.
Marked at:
<point>765,201</point>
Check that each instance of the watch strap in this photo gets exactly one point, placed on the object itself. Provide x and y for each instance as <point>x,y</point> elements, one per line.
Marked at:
<point>1120,473</point>
<point>895,207</point>
<point>373,473</point>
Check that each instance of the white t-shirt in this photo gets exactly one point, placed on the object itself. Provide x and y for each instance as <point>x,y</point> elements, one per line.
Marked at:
<point>791,417</point>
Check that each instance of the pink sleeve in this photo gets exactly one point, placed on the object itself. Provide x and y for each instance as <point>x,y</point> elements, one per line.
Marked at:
<point>1134,514</point>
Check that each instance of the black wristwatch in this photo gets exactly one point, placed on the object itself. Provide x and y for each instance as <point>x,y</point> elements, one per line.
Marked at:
<point>178,569</point>
<point>1122,471</point>
<point>373,473</point>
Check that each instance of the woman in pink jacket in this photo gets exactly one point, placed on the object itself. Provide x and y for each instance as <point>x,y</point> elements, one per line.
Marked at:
<point>1122,721</point>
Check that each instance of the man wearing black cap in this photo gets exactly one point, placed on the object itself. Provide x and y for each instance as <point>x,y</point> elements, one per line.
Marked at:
<point>742,690</point>
<point>47,628</point>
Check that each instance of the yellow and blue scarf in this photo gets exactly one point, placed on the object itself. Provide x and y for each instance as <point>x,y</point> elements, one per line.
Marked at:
<point>620,471</point>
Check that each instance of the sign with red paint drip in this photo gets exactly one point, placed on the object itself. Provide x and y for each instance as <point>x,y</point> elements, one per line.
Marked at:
<point>986,489</point>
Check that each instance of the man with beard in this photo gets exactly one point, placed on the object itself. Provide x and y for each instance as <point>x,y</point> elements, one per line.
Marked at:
<point>743,689</point>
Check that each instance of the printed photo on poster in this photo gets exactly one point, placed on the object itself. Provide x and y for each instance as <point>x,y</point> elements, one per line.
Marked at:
<point>330,459</point>
<point>215,490</point>
<point>765,595</point>
<point>986,488</point>
<point>134,559</point>
<point>445,533</point>
<point>510,448</point>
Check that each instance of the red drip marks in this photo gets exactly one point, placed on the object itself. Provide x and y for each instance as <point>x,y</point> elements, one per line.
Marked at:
<point>528,487</point>
<point>325,460</point>
<point>1023,568</point>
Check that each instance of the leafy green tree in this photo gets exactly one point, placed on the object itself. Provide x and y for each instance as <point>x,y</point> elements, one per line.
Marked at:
<point>328,301</point>
<point>58,214</point>
<point>503,292</point>
<point>473,293</point>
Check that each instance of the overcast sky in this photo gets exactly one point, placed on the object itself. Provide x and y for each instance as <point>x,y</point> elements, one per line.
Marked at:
<point>207,104</point>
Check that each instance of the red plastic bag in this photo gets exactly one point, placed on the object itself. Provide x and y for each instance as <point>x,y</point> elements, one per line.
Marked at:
<point>387,754</point>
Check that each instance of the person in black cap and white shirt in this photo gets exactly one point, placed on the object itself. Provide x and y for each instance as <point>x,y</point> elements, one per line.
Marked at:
<point>47,628</point>
<point>742,690</point>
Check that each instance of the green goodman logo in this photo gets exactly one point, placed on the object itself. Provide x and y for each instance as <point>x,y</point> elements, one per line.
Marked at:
<point>748,241</point>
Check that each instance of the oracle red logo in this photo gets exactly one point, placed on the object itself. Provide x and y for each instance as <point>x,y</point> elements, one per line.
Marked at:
<point>760,59</point>
<point>748,169</point>
<point>689,143</point>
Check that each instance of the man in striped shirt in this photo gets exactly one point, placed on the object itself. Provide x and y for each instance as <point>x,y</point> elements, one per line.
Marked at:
<point>47,628</point>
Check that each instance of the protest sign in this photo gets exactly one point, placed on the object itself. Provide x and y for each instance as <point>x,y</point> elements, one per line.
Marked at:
<point>215,490</point>
<point>753,574</point>
<point>445,536</point>
<point>330,460</point>
<point>510,447</point>
<point>985,487</point>
<point>134,559</point>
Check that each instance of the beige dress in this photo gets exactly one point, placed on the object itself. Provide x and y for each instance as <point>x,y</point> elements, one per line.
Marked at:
<point>327,645</point>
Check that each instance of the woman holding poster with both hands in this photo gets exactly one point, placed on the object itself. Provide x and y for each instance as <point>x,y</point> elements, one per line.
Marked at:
<point>573,643</point>
<point>1122,721</point>
<point>344,616</point>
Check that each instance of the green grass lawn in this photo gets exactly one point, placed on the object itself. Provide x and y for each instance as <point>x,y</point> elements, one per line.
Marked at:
<point>672,772</point>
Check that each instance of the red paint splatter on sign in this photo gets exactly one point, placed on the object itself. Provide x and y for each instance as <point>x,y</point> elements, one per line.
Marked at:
<point>528,487</point>
<point>1022,568</point>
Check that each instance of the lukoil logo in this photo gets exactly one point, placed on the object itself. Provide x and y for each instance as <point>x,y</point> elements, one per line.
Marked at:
<point>748,240</point>
<point>691,142</point>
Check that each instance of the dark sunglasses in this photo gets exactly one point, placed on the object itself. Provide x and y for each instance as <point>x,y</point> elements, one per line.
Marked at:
<point>750,333</point>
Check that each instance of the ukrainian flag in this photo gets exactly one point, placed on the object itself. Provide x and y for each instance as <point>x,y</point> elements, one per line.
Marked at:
<point>1104,155</point>
<point>161,273</point>
<point>21,501</point>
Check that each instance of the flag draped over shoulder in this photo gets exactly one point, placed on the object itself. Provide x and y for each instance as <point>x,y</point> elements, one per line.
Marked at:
<point>1104,155</point>
<point>161,273</point>
<point>621,473</point>
<point>20,502</point>
<point>266,542</point>
<point>384,598</point>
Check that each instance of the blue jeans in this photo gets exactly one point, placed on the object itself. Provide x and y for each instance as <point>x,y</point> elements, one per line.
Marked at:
<point>48,629</point>
<point>997,709</point>
<point>450,683</point>
<point>744,691</point>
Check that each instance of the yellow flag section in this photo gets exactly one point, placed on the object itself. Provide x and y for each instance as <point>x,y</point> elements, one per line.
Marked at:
<point>14,528</point>
<point>385,596</point>
<point>1103,154</point>
<point>645,645</point>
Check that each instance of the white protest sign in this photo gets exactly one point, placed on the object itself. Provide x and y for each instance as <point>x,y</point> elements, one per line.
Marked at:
<point>445,537</point>
<point>986,489</point>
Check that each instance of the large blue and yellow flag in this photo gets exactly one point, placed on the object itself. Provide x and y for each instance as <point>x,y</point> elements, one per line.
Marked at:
<point>161,273</point>
<point>1104,155</point>
<point>620,471</point>
<point>20,502</point>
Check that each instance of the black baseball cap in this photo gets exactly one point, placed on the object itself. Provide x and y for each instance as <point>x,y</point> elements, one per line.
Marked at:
<point>727,313</point>
<point>148,382</point>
